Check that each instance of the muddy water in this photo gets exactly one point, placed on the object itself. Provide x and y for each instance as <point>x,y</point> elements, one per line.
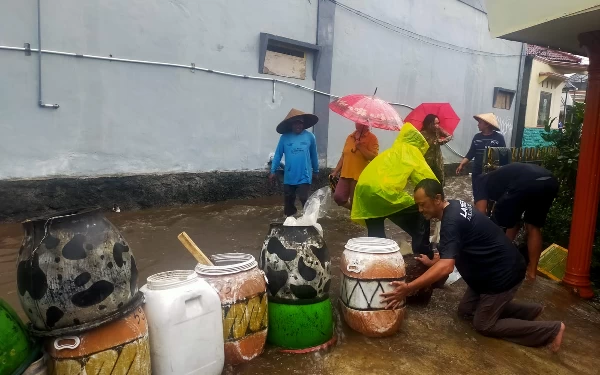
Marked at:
<point>432,340</point>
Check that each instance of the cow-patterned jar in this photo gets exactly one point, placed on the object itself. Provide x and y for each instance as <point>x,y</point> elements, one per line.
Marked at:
<point>75,271</point>
<point>297,264</point>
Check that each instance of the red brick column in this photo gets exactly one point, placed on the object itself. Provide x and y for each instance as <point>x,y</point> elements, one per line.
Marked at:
<point>587,190</point>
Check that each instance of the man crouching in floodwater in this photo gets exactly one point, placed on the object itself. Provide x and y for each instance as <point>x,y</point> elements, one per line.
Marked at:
<point>489,263</point>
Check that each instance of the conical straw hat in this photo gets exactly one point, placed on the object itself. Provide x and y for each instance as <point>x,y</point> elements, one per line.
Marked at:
<point>285,126</point>
<point>489,118</point>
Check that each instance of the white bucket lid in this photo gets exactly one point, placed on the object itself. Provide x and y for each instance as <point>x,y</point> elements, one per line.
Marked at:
<point>171,279</point>
<point>372,245</point>
<point>227,264</point>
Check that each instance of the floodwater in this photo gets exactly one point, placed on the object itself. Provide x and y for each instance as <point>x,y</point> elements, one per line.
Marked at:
<point>432,340</point>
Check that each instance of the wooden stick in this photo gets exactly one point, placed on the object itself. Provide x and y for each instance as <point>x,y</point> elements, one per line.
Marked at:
<point>193,249</point>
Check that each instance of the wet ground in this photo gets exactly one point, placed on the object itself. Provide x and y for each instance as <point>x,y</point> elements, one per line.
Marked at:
<point>432,340</point>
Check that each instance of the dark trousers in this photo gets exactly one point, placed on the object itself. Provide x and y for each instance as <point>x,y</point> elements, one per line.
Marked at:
<point>409,220</point>
<point>496,315</point>
<point>289,197</point>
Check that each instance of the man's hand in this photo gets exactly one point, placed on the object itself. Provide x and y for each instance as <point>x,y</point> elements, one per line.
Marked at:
<point>272,177</point>
<point>459,169</point>
<point>426,261</point>
<point>396,297</point>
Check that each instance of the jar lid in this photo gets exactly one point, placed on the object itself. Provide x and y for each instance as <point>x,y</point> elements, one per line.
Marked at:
<point>227,264</point>
<point>171,279</point>
<point>372,245</point>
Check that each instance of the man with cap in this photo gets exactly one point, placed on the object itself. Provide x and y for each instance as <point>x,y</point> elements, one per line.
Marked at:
<point>520,189</point>
<point>489,136</point>
<point>301,161</point>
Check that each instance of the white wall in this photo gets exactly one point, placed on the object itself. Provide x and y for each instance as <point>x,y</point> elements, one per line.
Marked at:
<point>119,118</point>
<point>409,71</point>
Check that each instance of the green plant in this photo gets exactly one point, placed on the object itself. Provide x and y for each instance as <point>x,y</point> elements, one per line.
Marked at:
<point>563,164</point>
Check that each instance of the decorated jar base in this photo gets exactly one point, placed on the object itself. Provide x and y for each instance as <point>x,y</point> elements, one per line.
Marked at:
<point>120,347</point>
<point>300,326</point>
<point>377,323</point>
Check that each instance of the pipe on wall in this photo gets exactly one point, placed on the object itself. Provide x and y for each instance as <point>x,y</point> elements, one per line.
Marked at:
<point>191,66</point>
<point>39,33</point>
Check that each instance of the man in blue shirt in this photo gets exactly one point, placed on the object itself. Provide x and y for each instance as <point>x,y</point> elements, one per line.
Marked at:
<point>301,161</point>
<point>489,137</point>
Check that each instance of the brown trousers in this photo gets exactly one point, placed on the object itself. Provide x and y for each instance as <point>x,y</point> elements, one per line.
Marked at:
<point>496,315</point>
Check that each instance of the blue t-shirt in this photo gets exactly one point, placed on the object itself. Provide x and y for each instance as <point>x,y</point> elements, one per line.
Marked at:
<point>479,144</point>
<point>301,159</point>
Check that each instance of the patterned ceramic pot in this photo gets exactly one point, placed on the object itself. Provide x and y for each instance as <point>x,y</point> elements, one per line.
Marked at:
<point>368,267</point>
<point>242,289</point>
<point>75,271</point>
<point>120,347</point>
<point>296,262</point>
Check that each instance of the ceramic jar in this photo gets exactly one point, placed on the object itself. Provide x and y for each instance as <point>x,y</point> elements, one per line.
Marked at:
<point>242,289</point>
<point>75,271</point>
<point>120,347</point>
<point>368,267</point>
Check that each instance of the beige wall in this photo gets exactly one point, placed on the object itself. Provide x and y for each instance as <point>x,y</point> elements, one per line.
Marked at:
<point>536,85</point>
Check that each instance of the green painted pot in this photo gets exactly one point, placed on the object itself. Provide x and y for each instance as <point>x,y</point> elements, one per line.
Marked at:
<point>297,326</point>
<point>15,347</point>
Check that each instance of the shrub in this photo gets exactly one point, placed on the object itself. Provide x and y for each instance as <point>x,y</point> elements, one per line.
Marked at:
<point>563,165</point>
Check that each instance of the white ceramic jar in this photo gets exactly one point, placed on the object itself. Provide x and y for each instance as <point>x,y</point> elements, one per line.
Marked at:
<point>185,324</point>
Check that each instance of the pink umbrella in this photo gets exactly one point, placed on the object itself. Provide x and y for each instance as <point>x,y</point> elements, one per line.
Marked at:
<point>367,110</point>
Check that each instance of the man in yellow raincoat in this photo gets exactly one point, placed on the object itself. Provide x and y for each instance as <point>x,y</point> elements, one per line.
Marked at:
<point>380,194</point>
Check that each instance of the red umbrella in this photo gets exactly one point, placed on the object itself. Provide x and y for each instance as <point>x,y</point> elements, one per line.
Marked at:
<point>367,110</point>
<point>448,118</point>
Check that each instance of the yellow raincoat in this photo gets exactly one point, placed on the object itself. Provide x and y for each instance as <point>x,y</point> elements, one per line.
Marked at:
<point>380,188</point>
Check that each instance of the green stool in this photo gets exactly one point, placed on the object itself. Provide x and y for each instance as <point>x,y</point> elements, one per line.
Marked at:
<point>300,326</point>
<point>17,351</point>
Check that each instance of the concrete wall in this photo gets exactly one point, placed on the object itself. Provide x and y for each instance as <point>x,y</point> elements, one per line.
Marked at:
<point>535,88</point>
<point>118,118</point>
<point>125,119</point>
<point>410,71</point>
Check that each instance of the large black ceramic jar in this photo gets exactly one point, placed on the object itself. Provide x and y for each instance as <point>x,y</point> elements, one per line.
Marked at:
<point>75,272</point>
<point>296,262</point>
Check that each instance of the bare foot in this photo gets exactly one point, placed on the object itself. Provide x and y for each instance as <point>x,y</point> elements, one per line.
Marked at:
<point>555,344</point>
<point>529,277</point>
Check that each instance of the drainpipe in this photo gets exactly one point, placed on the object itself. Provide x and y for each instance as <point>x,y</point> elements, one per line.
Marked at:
<point>515,129</point>
<point>39,26</point>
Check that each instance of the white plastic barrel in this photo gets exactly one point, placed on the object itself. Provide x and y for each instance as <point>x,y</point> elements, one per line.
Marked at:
<point>185,324</point>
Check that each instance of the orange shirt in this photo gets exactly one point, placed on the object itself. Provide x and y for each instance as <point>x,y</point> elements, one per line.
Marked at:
<point>354,160</point>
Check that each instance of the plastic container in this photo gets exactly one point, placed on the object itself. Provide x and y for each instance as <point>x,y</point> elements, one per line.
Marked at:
<point>368,267</point>
<point>120,347</point>
<point>17,351</point>
<point>297,264</point>
<point>186,329</point>
<point>75,272</point>
<point>300,326</point>
<point>242,289</point>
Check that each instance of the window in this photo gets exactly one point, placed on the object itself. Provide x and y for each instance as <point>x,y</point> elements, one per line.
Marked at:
<point>286,57</point>
<point>284,61</point>
<point>544,111</point>
<point>503,98</point>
